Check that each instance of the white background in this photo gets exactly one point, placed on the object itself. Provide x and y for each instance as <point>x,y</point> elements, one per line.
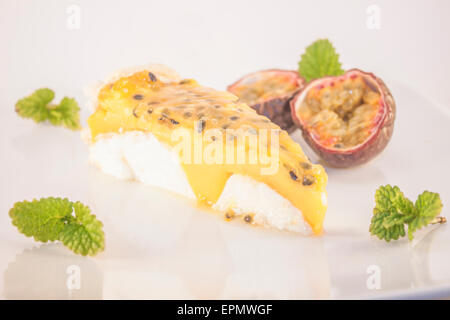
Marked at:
<point>159,246</point>
<point>217,42</point>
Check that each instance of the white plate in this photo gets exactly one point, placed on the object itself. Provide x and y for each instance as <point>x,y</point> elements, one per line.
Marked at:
<point>159,246</point>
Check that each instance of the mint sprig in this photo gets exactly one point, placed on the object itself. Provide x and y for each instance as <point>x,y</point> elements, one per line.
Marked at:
<point>38,107</point>
<point>319,60</point>
<point>393,212</point>
<point>56,219</point>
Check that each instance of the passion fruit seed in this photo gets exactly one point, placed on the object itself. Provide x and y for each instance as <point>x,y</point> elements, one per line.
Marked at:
<point>305,165</point>
<point>269,92</point>
<point>339,113</point>
<point>201,126</point>
<point>234,118</point>
<point>229,215</point>
<point>138,97</point>
<point>165,112</point>
<point>152,77</point>
<point>308,180</point>
<point>293,175</point>
<point>248,218</point>
<point>174,121</point>
<point>347,120</point>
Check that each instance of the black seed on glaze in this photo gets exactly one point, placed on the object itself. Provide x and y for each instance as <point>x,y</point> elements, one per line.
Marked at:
<point>213,138</point>
<point>308,180</point>
<point>165,113</point>
<point>150,111</point>
<point>174,121</point>
<point>201,126</point>
<point>229,215</point>
<point>152,77</point>
<point>138,97</point>
<point>248,218</point>
<point>134,113</point>
<point>234,118</point>
<point>305,165</point>
<point>293,175</point>
<point>217,106</point>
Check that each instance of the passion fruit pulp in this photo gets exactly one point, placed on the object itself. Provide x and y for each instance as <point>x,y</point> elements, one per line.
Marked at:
<point>347,120</point>
<point>269,93</point>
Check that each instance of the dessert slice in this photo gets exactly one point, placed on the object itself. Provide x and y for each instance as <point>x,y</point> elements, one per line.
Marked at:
<point>152,126</point>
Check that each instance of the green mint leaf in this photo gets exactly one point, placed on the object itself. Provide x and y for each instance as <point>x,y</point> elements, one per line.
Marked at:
<point>37,107</point>
<point>387,225</point>
<point>390,212</point>
<point>391,198</point>
<point>52,219</point>
<point>66,114</point>
<point>428,206</point>
<point>84,234</point>
<point>41,219</point>
<point>393,211</point>
<point>319,60</point>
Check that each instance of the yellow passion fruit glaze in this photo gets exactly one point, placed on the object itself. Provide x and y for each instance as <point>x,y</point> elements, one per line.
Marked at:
<point>141,102</point>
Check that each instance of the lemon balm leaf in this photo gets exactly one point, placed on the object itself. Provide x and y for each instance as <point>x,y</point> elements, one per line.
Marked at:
<point>41,219</point>
<point>319,60</point>
<point>38,107</point>
<point>387,226</point>
<point>428,206</point>
<point>57,219</point>
<point>35,105</point>
<point>393,212</point>
<point>392,198</point>
<point>65,114</point>
<point>84,234</point>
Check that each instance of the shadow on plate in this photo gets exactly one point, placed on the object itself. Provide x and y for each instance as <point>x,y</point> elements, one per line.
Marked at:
<point>52,272</point>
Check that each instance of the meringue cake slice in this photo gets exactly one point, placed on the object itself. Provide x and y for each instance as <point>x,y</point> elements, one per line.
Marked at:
<point>152,126</point>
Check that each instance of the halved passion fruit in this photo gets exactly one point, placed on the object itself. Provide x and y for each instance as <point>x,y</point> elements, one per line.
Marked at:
<point>347,120</point>
<point>269,93</point>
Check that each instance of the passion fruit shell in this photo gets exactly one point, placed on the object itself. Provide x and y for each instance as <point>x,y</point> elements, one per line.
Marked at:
<point>269,93</point>
<point>378,135</point>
